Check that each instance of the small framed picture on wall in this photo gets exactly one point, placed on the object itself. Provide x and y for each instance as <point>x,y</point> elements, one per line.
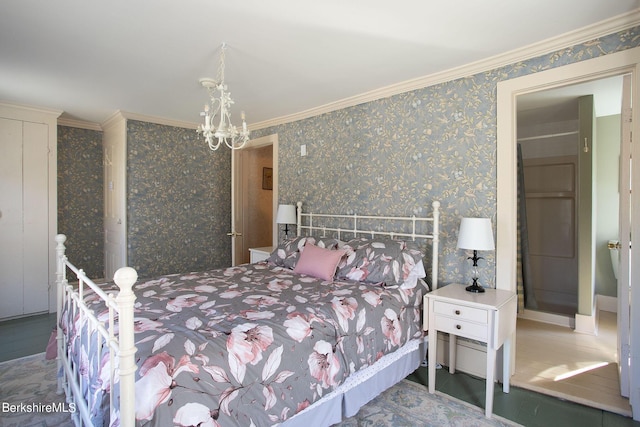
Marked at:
<point>267,178</point>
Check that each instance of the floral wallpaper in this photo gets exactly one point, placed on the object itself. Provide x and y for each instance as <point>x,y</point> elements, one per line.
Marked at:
<point>80,197</point>
<point>178,201</point>
<point>390,156</point>
<point>396,155</point>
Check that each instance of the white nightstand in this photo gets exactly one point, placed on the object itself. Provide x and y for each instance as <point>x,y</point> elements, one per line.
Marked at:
<point>488,317</point>
<point>260,254</point>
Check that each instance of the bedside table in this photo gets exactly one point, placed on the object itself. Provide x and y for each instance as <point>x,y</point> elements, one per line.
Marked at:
<point>260,254</point>
<point>489,317</point>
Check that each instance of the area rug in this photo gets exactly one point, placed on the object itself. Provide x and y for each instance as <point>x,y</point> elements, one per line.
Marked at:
<point>28,399</point>
<point>28,394</point>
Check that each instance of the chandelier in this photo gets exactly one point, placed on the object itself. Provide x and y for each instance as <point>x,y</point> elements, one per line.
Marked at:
<point>219,107</point>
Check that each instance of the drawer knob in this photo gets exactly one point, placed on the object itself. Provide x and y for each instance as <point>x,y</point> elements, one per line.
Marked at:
<point>458,327</point>
<point>458,312</point>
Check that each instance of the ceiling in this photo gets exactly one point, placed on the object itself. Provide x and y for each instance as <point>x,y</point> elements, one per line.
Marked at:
<point>93,58</point>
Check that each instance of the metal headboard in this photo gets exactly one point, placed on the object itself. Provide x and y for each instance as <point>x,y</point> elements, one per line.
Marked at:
<point>355,230</point>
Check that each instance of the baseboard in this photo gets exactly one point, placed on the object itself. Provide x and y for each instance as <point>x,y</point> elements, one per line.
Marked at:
<point>607,303</point>
<point>588,324</point>
<point>471,357</point>
<point>554,319</point>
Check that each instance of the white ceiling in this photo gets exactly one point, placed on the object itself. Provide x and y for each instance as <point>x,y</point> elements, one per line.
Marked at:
<point>92,58</point>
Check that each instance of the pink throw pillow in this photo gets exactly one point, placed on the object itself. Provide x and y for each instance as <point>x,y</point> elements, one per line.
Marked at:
<point>318,262</point>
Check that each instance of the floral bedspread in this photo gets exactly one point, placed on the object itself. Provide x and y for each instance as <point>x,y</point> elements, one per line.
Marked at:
<point>255,344</point>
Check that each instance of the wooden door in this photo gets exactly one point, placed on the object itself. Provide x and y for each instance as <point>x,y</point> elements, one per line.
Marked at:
<point>246,213</point>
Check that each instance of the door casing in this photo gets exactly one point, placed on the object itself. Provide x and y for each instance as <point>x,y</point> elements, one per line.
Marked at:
<point>236,185</point>
<point>609,65</point>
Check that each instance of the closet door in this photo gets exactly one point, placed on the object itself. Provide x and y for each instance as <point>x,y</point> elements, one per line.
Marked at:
<point>35,234</point>
<point>11,267</point>
<point>24,227</point>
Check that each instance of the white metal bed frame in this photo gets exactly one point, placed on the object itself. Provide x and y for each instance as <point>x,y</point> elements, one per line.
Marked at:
<point>354,230</point>
<point>122,346</point>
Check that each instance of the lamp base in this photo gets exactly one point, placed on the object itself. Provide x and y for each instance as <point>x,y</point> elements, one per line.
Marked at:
<point>475,288</point>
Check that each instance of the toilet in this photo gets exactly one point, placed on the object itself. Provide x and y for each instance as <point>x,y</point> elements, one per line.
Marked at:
<point>613,246</point>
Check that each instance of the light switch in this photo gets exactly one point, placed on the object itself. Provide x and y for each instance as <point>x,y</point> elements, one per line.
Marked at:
<point>303,150</point>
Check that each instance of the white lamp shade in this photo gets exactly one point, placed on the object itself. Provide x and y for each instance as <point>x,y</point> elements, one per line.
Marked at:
<point>286,214</point>
<point>476,234</point>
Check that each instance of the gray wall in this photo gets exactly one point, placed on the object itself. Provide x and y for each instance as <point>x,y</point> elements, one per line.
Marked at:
<point>398,154</point>
<point>607,200</point>
<point>80,197</point>
<point>178,201</point>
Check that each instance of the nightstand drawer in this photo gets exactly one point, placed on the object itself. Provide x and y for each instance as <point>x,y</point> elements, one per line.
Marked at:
<point>461,327</point>
<point>461,312</point>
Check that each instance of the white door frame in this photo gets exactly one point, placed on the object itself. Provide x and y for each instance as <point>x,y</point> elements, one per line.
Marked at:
<point>624,237</point>
<point>236,185</point>
<point>114,141</point>
<point>609,65</point>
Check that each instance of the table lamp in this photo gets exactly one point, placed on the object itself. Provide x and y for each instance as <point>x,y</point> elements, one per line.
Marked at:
<point>475,234</point>
<point>286,215</point>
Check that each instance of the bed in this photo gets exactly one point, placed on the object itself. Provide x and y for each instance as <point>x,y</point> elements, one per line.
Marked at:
<point>305,338</point>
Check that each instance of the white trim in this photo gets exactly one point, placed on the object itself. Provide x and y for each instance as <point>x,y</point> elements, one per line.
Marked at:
<point>151,119</point>
<point>80,124</point>
<point>591,32</point>
<point>587,324</point>
<point>550,318</point>
<point>607,303</point>
<point>28,113</point>
<point>508,90</point>
<point>608,65</point>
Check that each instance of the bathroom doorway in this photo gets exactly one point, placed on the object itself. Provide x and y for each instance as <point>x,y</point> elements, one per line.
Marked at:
<point>569,142</point>
<point>569,139</point>
<point>508,93</point>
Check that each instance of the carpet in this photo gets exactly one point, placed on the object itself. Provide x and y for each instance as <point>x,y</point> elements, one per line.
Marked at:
<point>28,399</point>
<point>28,394</point>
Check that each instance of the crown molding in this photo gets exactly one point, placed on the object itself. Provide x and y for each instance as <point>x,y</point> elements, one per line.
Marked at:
<point>112,120</point>
<point>81,124</point>
<point>582,35</point>
<point>28,112</point>
<point>158,120</point>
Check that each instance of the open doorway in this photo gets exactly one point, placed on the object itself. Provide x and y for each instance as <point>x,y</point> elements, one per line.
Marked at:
<point>569,149</point>
<point>506,248</point>
<point>254,197</point>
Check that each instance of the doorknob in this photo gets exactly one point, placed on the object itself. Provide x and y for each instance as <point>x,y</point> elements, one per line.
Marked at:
<point>234,234</point>
<point>615,245</point>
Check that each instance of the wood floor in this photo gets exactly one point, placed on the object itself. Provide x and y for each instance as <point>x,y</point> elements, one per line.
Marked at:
<point>557,361</point>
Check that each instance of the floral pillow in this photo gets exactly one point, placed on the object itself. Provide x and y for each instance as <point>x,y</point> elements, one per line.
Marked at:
<point>288,252</point>
<point>389,261</point>
<point>324,242</point>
